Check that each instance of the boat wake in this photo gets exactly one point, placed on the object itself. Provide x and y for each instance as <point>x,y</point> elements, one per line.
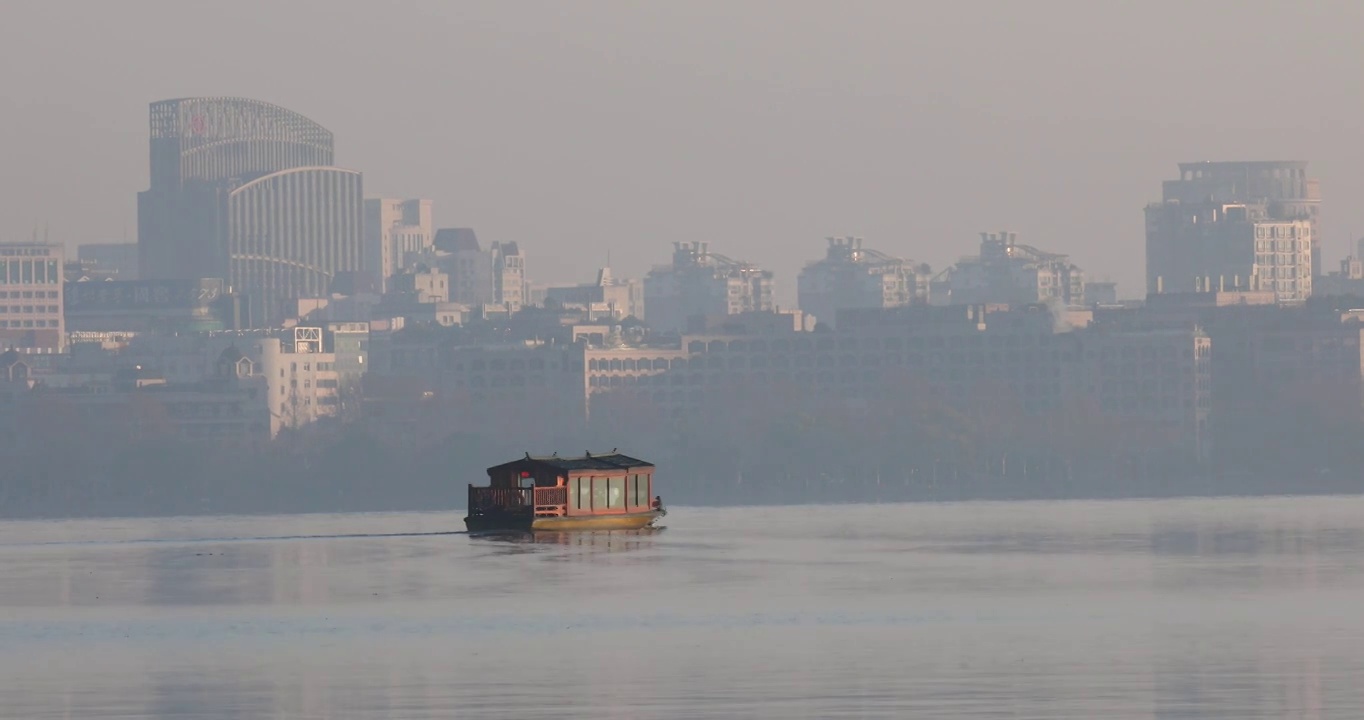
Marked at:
<point>236,539</point>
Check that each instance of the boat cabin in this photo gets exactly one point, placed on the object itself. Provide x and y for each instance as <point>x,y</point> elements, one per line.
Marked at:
<point>566,487</point>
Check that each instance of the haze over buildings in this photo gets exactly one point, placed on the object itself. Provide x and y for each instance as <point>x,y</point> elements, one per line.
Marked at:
<point>653,270</point>
<point>749,125</point>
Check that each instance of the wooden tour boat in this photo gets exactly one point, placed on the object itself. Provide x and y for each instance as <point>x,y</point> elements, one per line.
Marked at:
<point>593,492</point>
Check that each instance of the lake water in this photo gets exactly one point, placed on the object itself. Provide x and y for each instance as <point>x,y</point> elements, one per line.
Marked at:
<point>1171,609</point>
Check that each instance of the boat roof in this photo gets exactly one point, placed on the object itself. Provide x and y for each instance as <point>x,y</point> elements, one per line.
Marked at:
<point>588,461</point>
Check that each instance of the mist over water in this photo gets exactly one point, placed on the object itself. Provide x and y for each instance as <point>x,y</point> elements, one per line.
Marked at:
<point>1133,609</point>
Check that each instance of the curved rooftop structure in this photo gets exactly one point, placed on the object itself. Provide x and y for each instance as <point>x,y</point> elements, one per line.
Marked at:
<point>216,138</point>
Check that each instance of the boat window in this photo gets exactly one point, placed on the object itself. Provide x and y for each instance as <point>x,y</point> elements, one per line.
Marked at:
<point>583,490</point>
<point>615,496</point>
<point>639,490</point>
<point>598,493</point>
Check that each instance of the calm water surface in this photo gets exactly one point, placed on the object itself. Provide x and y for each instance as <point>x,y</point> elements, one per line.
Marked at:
<point>1170,609</point>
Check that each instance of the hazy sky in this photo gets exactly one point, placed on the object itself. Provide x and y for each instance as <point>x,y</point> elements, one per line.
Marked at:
<point>579,127</point>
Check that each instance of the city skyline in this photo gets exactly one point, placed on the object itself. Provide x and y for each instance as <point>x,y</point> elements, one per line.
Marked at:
<point>771,138</point>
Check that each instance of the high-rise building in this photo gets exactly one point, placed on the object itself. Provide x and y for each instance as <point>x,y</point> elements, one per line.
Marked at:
<point>700,282</point>
<point>31,309</point>
<point>851,276</point>
<point>1242,225</point>
<point>395,231</point>
<point>246,191</point>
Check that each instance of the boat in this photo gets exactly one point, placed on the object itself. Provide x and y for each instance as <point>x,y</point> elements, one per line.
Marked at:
<point>608,491</point>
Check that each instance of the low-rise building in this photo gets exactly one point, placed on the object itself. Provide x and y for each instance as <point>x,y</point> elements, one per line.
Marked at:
<point>608,297</point>
<point>226,409</point>
<point>1159,381</point>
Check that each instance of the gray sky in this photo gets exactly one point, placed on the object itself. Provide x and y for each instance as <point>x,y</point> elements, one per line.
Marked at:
<point>581,127</point>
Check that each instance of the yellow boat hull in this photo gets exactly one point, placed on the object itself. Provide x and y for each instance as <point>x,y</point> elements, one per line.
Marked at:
<point>632,521</point>
<point>629,521</point>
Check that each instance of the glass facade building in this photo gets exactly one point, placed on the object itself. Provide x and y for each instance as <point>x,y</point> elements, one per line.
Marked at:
<point>245,191</point>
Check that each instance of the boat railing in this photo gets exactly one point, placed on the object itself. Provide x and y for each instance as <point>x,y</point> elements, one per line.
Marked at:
<point>485,500</point>
<point>551,501</point>
<point>541,501</point>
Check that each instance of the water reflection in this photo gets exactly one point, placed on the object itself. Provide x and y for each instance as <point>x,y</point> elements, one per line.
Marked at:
<point>1197,609</point>
<point>605,540</point>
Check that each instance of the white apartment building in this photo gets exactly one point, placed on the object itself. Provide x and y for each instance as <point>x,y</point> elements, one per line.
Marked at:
<point>303,383</point>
